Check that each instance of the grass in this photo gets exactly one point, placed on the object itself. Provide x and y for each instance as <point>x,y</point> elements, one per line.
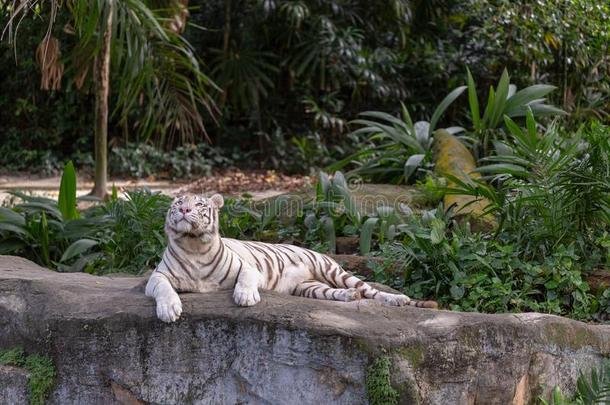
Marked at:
<point>40,368</point>
<point>378,385</point>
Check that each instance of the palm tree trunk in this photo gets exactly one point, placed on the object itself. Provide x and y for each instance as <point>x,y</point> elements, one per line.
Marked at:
<point>225,44</point>
<point>102,87</point>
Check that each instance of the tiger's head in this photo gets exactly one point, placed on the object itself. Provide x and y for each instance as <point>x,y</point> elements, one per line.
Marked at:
<point>194,216</point>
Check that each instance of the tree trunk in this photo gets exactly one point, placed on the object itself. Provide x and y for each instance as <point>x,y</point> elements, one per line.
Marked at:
<point>102,86</point>
<point>226,35</point>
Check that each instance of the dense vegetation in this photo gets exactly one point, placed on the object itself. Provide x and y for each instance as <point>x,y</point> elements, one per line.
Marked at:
<point>357,89</point>
<point>294,74</point>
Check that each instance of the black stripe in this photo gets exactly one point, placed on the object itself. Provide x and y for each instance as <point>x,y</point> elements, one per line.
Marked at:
<point>170,251</point>
<point>227,273</point>
<point>221,248</point>
<point>214,264</point>
<point>259,266</point>
<point>241,264</point>
<point>168,267</point>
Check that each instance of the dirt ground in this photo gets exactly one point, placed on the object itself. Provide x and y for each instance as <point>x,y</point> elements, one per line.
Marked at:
<point>258,184</point>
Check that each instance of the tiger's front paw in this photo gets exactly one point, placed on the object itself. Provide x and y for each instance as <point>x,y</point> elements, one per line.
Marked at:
<point>246,297</point>
<point>169,309</point>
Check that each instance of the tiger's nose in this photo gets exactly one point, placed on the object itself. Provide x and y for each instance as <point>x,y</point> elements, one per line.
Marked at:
<point>184,210</point>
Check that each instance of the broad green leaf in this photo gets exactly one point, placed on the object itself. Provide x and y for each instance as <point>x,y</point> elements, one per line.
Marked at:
<point>500,99</point>
<point>450,98</point>
<point>455,130</point>
<point>422,133</point>
<point>473,101</point>
<point>41,207</point>
<point>539,110</point>
<point>525,96</point>
<point>502,148</point>
<point>12,246</point>
<point>13,228</point>
<point>78,247</point>
<point>412,164</point>
<point>491,99</point>
<point>386,117</point>
<point>437,232</point>
<point>366,235</point>
<point>67,193</point>
<point>10,216</point>
<point>406,117</point>
<point>44,239</point>
<point>531,127</point>
<point>322,187</point>
<point>329,233</point>
<point>80,263</point>
<point>517,133</point>
<point>457,292</point>
<point>503,168</point>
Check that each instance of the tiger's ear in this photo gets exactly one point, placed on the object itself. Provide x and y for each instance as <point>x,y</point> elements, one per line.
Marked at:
<point>217,200</point>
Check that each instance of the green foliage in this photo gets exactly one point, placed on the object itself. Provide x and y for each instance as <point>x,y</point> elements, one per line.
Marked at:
<point>66,201</point>
<point>49,232</point>
<point>13,357</point>
<point>475,272</point>
<point>183,162</point>
<point>590,390</point>
<point>297,65</point>
<point>132,238</point>
<point>566,45</point>
<point>505,101</point>
<point>41,369</point>
<point>378,383</point>
<point>551,190</point>
<point>156,74</point>
<point>396,148</point>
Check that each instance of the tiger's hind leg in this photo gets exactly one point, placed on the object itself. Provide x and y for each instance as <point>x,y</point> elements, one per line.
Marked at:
<point>318,290</point>
<point>342,279</point>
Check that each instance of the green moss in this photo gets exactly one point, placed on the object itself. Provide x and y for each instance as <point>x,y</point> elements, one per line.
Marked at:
<point>378,386</point>
<point>41,369</point>
<point>413,354</point>
<point>569,336</point>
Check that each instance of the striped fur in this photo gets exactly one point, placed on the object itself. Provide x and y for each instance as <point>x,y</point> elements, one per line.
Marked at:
<point>197,259</point>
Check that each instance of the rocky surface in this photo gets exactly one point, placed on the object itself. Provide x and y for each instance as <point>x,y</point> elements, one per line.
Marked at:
<point>109,348</point>
<point>13,386</point>
<point>367,198</point>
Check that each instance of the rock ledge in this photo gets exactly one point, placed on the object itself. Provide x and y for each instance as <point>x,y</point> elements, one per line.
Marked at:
<point>108,347</point>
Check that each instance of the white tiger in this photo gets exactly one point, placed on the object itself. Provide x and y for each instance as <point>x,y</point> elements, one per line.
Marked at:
<point>197,259</point>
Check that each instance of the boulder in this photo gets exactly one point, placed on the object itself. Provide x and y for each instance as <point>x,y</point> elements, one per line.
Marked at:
<point>109,348</point>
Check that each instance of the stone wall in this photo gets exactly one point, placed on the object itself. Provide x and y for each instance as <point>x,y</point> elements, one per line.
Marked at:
<point>108,347</point>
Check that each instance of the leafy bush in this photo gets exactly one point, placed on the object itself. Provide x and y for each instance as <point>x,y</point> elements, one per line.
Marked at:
<point>397,148</point>
<point>504,101</point>
<point>183,162</point>
<point>49,232</point>
<point>132,239</point>
<point>404,147</point>
<point>551,190</point>
<point>475,272</point>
